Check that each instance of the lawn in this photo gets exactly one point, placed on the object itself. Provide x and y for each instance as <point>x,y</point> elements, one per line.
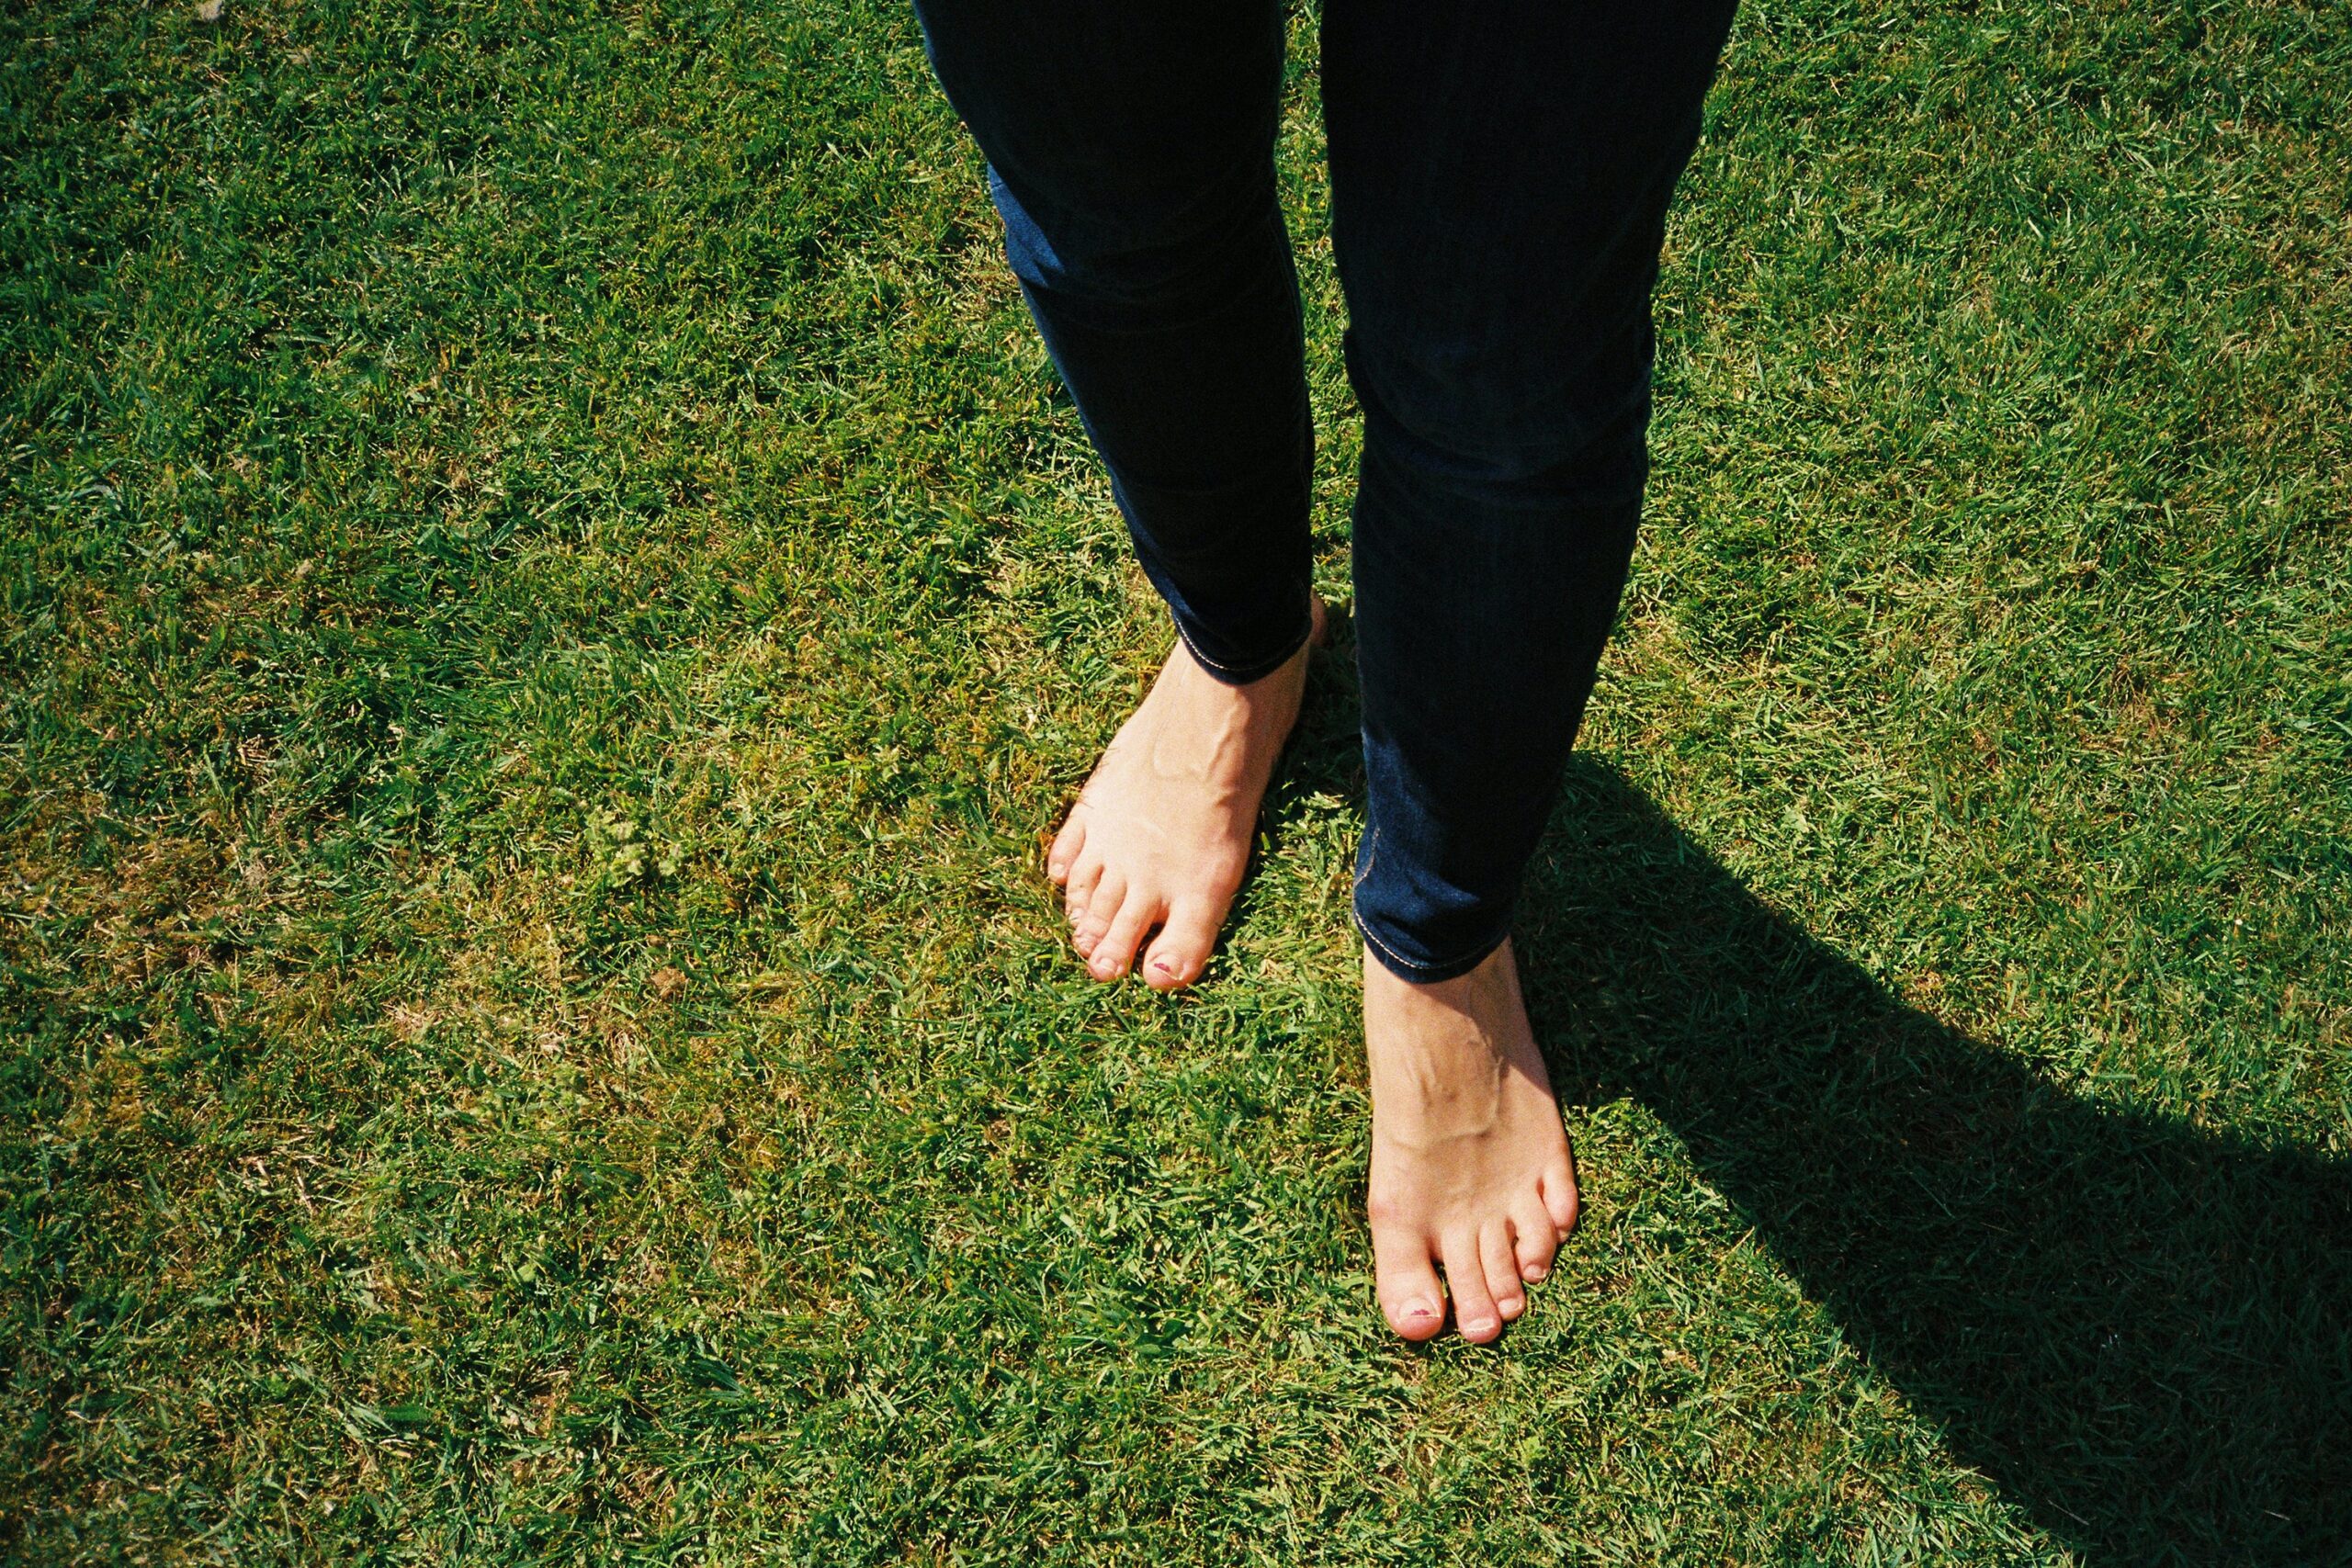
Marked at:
<point>547,593</point>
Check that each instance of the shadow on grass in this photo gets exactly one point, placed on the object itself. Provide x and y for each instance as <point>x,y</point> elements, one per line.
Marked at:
<point>2140,1332</point>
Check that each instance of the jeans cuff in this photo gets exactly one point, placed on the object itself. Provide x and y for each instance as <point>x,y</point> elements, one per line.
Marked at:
<point>1419,974</point>
<point>1242,674</point>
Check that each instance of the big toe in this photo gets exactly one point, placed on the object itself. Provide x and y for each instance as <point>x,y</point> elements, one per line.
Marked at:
<point>1406,1282</point>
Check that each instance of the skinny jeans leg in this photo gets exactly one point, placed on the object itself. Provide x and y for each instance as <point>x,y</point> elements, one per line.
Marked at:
<point>1131,154</point>
<point>1500,178</point>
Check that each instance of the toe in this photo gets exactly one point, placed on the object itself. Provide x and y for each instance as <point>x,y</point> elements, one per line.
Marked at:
<point>1501,1259</point>
<point>1181,950</point>
<point>1401,1273</point>
<point>1085,875</point>
<point>1534,1237</point>
<point>1090,924</point>
<point>1559,1186</point>
<point>1067,845</point>
<point>1474,1313</point>
<point>1115,952</point>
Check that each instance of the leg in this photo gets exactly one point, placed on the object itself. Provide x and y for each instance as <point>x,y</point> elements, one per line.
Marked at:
<point>1131,153</point>
<point>1500,180</point>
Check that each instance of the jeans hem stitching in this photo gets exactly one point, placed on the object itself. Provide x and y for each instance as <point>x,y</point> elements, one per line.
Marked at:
<point>1243,674</point>
<point>1415,974</point>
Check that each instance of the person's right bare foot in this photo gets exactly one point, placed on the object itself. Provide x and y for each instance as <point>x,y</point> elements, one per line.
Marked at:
<point>1160,834</point>
<point>1470,1165</point>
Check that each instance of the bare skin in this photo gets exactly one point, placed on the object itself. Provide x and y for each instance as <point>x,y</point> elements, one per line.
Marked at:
<point>1160,834</point>
<point>1471,1170</point>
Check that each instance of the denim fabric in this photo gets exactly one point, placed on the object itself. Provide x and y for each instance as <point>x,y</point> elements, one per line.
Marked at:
<point>1501,172</point>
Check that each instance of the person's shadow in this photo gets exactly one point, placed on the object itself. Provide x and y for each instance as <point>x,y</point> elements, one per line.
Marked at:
<point>2138,1331</point>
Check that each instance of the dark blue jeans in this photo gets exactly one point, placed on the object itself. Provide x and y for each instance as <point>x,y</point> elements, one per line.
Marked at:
<point>1500,170</point>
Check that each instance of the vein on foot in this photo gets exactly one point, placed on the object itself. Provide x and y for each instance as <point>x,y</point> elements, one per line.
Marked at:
<point>1471,1169</point>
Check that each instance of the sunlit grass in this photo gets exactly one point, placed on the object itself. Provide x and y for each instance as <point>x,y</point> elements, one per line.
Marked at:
<point>547,589</point>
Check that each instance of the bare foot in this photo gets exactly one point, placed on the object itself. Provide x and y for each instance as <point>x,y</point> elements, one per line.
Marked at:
<point>1470,1166</point>
<point>1160,834</point>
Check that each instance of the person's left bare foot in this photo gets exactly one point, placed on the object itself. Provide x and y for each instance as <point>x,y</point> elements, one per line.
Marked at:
<point>1470,1165</point>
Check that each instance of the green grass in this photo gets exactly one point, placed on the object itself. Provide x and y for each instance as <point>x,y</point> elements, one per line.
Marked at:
<point>547,589</point>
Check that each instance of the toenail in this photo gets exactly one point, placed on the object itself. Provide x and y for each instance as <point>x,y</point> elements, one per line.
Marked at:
<point>1479,1326</point>
<point>1418,1308</point>
<point>1537,1273</point>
